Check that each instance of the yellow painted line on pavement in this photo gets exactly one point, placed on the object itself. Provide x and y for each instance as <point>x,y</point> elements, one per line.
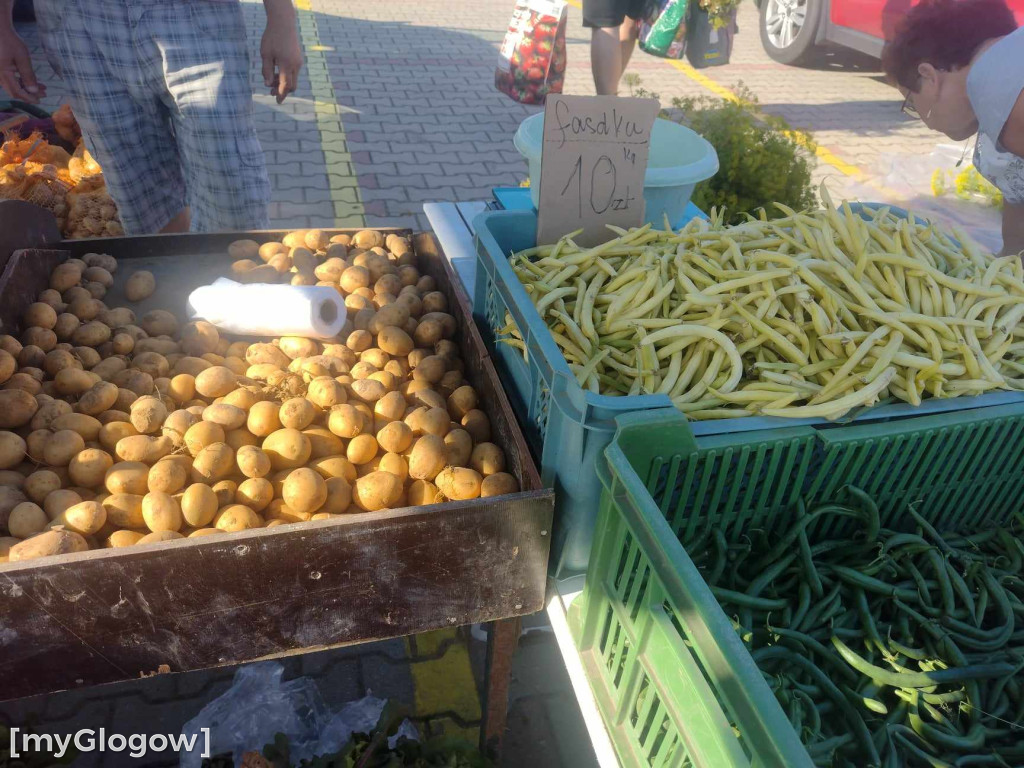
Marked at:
<point>445,684</point>
<point>823,154</point>
<point>341,175</point>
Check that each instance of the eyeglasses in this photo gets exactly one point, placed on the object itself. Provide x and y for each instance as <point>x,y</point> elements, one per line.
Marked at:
<point>908,107</point>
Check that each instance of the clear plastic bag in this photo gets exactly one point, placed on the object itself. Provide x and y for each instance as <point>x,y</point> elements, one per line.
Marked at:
<point>927,186</point>
<point>259,705</point>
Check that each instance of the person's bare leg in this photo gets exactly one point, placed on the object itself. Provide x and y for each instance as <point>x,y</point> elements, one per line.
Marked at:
<point>606,60</point>
<point>179,223</point>
<point>627,38</point>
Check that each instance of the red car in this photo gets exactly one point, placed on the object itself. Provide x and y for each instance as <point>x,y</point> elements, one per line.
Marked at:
<point>791,30</point>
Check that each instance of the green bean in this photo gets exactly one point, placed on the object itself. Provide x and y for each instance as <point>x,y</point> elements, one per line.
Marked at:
<point>919,679</point>
<point>721,560</point>
<point>945,586</point>
<point>870,584</point>
<point>930,531</point>
<point>922,586</point>
<point>902,734</point>
<point>789,538</point>
<point>873,517</point>
<point>807,564</point>
<point>854,720</point>
<point>810,644</point>
<point>963,592</point>
<point>816,611</point>
<point>744,600</point>
<point>803,603</point>
<point>834,744</point>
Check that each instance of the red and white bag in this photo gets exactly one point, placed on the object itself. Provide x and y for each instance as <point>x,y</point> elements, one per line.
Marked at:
<point>532,60</point>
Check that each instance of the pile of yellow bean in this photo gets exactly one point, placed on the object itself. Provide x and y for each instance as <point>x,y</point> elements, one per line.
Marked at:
<point>810,315</point>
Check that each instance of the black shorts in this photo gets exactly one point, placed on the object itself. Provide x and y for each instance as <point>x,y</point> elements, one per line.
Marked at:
<point>611,13</point>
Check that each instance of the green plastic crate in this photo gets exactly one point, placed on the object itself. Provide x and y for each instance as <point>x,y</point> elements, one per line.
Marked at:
<point>674,683</point>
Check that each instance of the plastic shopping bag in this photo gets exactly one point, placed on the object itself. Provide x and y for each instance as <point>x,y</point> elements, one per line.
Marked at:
<point>532,59</point>
<point>663,28</point>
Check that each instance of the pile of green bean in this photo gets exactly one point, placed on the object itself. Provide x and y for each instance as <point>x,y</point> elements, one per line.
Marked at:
<point>884,647</point>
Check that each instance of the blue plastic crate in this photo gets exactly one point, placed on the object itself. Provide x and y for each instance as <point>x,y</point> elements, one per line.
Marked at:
<point>568,427</point>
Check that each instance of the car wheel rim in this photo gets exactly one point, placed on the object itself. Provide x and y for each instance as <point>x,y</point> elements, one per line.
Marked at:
<point>783,20</point>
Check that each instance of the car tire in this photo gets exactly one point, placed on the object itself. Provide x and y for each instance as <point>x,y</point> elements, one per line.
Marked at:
<point>789,29</point>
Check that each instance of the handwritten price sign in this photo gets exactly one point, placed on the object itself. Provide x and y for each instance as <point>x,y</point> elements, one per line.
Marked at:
<point>593,164</point>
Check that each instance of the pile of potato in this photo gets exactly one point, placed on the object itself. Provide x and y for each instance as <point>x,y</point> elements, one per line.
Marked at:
<point>118,430</point>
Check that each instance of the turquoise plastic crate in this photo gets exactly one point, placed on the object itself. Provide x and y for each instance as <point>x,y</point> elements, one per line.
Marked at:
<point>568,427</point>
<point>673,682</point>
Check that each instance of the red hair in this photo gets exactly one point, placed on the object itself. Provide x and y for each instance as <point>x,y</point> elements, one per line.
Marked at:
<point>945,34</point>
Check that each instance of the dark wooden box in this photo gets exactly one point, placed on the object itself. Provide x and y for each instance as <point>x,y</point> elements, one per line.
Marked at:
<point>109,615</point>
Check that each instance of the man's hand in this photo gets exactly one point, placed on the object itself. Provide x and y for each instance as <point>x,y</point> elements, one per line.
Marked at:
<point>16,75</point>
<point>280,49</point>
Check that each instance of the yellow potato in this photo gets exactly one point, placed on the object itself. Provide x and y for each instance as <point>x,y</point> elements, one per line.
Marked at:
<point>255,493</point>
<point>391,407</point>
<point>287,449</point>
<point>16,408</point>
<point>498,484</point>
<point>335,466</point>
<point>361,449</point>
<point>304,490</point>
<point>12,450</point>
<point>264,418</point>
<point>339,496</point>
<point>323,442</point>
<point>244,398</point>
<point>40,315</point>
<point>478,425</point>
<point>112,432</point>
<point>396,464</point>
<point>85,518</point>
<point>216,381</point>
<point>252,461</point>
<point>395,437</point>
<point>27,519</point>
<point>55,542</point>
<point>458,483</point>
<point>199,337</point>
<point>62,447</point>
<point>89,468</point>
<point>377,490</point>
<point>143,448</point>
<point>123,538</point>
<point>124,510</point>
<point>344,421</point>
<point>202,434</point>
<point>213,463</point>
<point>127,477</point>
<point>40,484</point>
<point>199,532</point>
<point>139,285</point>
<point>161,512</point>
<point>228,417</point>
<point>423,492</point>
<point>459,446</point>
<point>168,476</point>
<point>159,322</point>
<point>148,414</point>
<point>395,341</point>
<point>428,457</point>
<point>237,517</point>
<point>100,397</point>
<point>199,505</point>
<point>487,459</point>
<point>326,393</point>
<point>368,390</point>
<point>297,413</point>
<point>158,536</point>
<point>266,353</point>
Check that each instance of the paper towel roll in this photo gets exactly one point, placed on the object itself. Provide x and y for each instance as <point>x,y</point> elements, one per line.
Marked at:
<point>314,311</point>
